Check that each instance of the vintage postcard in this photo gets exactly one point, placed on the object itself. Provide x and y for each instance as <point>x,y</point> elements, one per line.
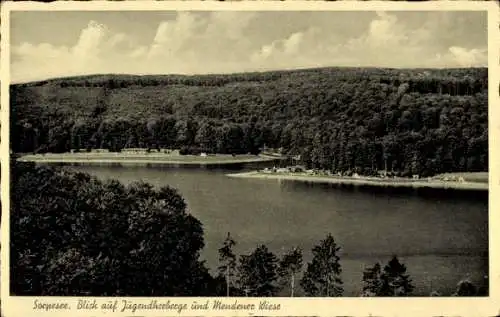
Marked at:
<point>250,159</point>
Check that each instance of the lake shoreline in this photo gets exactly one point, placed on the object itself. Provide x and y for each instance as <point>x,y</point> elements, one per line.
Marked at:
<point>120,158</point>
<point>364,181</point>
<point>215,160</point>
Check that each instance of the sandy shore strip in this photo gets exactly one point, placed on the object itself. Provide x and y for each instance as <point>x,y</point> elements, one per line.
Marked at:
<point>119,158</point>
<point>437,184</point>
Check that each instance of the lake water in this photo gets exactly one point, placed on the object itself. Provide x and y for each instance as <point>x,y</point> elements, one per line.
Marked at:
<point>441,238</point>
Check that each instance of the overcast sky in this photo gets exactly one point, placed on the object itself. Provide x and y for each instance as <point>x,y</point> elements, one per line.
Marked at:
<point>53,44</point>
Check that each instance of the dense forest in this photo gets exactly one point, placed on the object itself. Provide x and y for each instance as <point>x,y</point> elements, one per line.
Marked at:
<point>74,235</point>
<point>413,121</point>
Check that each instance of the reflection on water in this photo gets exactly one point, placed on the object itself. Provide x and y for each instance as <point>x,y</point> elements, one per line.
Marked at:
<point>381,191</point>
<point>442,236</point>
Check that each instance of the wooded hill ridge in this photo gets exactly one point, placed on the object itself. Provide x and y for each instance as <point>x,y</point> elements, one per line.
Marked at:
<point>411,121</point>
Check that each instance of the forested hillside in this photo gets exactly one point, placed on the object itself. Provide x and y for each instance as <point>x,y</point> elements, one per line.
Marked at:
<point>420,121</point>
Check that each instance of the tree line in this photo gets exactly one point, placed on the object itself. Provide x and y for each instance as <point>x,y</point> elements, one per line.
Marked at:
<point>74,235</point>
<point>262,273</point>
<point>422,122</point>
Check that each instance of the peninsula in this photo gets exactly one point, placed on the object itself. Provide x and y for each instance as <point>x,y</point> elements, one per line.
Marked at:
<point>475,181</point>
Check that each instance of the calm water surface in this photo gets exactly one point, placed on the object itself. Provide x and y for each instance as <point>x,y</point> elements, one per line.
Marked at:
<point>440,238</point>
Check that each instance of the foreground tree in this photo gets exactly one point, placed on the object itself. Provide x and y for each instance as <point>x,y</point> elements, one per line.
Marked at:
<point>258,273</point>
<point>392,281</point>
<point>372,281</point>
<point>74,235</point>
<point>322,276</point>
<point>289,266</point>
<point>227,260</point>
<point>395,280</point>
<point>465,288</point>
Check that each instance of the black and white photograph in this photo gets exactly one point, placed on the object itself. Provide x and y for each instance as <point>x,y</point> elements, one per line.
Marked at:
<point>226,153</point>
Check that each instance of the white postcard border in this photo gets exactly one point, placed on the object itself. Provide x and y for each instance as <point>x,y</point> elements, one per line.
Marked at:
<point>433,306</point>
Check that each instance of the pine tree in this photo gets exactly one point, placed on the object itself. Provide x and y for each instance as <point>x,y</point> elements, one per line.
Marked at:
<point>228,262</point>
<point>395,281</point>
<point>322,276</point>
<point>392,281</point>
<point>372,282</point>
<point>258,273</point>
<point>289,266</point>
